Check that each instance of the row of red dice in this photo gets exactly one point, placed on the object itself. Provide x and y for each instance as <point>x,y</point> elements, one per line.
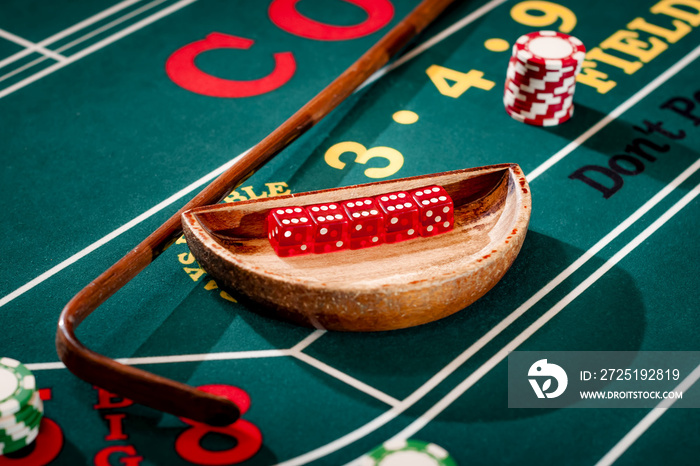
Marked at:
<point>360,223</point>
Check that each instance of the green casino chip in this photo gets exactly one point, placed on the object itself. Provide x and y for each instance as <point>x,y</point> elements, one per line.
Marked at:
<point>35,405</point>
<point>407,453</point>
<point>14,445</point>
<point>28,424</point>
<point>17,385</point>
<point>17,436</point>
<point>22,433</point>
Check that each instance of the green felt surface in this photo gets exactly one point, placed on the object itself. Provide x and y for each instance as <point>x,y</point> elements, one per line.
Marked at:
<point>90,146</point>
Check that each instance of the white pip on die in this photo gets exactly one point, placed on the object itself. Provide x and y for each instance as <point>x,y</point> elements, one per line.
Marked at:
<point>436,210</point>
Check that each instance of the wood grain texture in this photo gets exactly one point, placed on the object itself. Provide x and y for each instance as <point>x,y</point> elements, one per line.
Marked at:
<point>168,395</point>
<point>386,287</point>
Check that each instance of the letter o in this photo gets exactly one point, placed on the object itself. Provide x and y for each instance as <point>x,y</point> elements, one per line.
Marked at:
<point>284,15</point>
<point>615,165</point>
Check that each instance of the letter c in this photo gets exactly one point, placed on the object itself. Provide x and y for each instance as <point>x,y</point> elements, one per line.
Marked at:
<point>182,70</point>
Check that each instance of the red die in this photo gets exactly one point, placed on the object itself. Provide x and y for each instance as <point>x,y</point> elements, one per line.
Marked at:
<point>290,230</point>
<point>400,216</point>
<point>366,223</point>
<point>436,210</point>
<point>331,229</point>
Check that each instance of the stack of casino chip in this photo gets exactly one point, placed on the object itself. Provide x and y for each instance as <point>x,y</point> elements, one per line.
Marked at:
<point>21,408</point>
<point>542,77</point>
<point>406,452</point>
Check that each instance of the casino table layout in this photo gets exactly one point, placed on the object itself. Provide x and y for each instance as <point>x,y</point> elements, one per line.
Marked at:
<point>114,114</point>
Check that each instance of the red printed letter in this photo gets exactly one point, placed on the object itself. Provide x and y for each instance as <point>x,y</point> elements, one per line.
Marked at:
<point>106,400</point>
<point>102,456</point>
<point>116,427</point>
<point>285,16</point>
<point>183,72</point>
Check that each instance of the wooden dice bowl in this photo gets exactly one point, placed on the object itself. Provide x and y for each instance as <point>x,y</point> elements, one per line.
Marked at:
<point>385,287</point>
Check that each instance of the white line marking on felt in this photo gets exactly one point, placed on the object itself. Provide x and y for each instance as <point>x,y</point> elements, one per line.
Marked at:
<point>66,32</point>
<point>436,39</point>
<point>89,21</point>
<point>345,378</point>
<point>256,354</point>
<point>31,45</point>
<point>83,38</point>
<point>296,351</point>
<point>459,390</point>
<point>491,334</point>
<point>619,110</point>
<point>124,228</point>
<point>26,66</point>
<point>306,342</point>
<point>15,56</point>
<point>45,366</point>
<point>647,421</point>
<point>97,46</point>
<point>110,25</point>
<point>226,356</point>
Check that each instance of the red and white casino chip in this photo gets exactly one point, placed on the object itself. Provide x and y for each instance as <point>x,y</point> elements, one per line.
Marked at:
<point>532,93</point>
<point>539,120</point>
<point>538,71</point>
<point>539,99</point>
<point>539,108</point>
<point>541,78</point>
<point>517,71</point>
<point>549,49</point>
<point>539,86</point>
<point>530,111</point>
<point>553,111</point>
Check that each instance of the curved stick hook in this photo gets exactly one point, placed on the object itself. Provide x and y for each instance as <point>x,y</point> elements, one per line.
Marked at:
<point>136,384</point>
<point>162,393</point>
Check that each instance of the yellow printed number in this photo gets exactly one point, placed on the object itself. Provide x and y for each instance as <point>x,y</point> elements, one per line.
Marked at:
<point>441,77</point>
<point>539,14</point>
<point>363,155</point>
